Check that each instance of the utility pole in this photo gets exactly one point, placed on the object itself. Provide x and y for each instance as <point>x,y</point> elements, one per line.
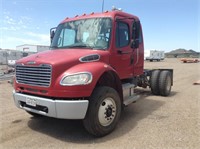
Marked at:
<point>6,56</point>
<point>102,5</point>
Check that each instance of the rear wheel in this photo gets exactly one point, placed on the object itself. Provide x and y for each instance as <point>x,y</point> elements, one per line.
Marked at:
<point>104,111</point>
<point>154,82</point>
<point>165,83</point>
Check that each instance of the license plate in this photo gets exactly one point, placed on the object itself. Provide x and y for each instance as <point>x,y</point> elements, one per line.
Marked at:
<point>31,101</point>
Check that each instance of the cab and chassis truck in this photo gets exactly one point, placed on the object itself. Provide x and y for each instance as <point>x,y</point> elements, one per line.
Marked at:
<point>94,64</point>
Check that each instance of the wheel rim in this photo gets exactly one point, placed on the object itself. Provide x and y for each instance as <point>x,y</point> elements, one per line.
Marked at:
<point>107,111</point>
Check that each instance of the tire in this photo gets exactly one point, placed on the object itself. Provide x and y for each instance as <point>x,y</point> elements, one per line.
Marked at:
<point>154,82</point>
<point>104,111</point>
<point>165,83</point>
<point>34,114</point>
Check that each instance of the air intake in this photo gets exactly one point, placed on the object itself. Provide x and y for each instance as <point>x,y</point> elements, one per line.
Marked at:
<point>90,58</point>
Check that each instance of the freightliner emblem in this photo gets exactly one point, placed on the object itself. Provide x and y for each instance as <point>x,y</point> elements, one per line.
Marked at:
<point>31,62</point>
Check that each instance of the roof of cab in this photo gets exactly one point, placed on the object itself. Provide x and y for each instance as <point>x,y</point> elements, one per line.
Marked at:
<point>110,14</point>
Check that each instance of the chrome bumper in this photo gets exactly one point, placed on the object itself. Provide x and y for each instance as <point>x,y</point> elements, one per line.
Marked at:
<point>63,109</point>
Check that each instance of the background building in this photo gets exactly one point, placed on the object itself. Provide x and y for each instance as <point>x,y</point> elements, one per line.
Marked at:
<point>8,56</point>
<point>32,48</point>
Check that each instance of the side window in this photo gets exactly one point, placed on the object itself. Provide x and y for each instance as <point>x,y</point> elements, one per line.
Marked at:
<point>136,31</point>
<point>122,35</point>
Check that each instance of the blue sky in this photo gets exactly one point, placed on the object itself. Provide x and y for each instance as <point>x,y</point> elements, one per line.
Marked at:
<point>167,24</point>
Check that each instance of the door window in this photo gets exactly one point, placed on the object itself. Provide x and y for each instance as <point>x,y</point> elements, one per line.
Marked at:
<point>122,35</point>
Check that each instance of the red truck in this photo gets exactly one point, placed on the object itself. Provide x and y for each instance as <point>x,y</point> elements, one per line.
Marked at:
<point>94,64</point>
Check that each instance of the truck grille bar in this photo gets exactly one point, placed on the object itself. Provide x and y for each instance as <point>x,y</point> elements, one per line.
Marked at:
<point>34,75</point>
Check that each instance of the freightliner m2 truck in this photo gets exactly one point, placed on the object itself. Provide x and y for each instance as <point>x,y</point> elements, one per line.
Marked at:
<point>94,64</point>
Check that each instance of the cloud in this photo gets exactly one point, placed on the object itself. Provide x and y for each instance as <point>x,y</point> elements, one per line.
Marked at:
<point>11,28</point>
<point>30,38</point>
<point>13,24</point>
<point>40,37</point>
<point>8,20</point>
<point>20,30</point>
<point>5,12</point>
<point>12,42</point>
<point>17,39</point>
<point>14,3</point>
<point>26,19</point>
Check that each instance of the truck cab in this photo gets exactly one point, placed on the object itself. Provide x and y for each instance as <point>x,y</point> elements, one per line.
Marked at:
<point>117,33</point>
<point>94,63</point>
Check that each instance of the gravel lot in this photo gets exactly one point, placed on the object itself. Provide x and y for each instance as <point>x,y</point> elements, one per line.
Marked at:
<point>152,122</point>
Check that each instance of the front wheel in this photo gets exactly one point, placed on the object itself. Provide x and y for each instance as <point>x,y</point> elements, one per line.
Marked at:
<point>104,111</point>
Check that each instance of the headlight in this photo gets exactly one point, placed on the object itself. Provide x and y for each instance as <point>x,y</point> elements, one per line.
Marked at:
<point>82,78</point>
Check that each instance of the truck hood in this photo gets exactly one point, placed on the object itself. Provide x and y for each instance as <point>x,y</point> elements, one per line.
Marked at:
<point>61,60</point>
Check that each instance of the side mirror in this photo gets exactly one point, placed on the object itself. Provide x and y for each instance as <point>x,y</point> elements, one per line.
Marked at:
<point>135,43</point>
<point>52,33</point>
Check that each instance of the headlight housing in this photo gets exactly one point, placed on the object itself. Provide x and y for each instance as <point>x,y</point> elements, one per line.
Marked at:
<point>81,78</point>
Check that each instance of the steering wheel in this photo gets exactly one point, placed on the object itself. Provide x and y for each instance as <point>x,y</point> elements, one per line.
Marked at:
<point>102,37</point>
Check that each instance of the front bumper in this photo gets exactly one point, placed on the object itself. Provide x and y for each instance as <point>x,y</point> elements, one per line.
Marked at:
<point>63,109</point>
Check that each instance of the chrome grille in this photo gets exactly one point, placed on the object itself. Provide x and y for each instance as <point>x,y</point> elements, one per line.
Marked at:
<point>34,75</point>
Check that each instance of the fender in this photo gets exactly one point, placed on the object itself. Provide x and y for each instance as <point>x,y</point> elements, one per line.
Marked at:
<point>95,68</point>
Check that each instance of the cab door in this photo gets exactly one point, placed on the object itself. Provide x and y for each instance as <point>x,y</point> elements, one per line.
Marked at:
<point>121,58</point>
<point>138,48</point>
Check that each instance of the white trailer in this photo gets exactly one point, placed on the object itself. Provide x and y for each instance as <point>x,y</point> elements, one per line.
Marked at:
<point>11,62</point>
<point>156,55</point>
<point>32,48</point>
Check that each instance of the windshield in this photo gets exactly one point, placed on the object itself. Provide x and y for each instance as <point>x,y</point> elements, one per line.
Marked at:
<point>86,33</point>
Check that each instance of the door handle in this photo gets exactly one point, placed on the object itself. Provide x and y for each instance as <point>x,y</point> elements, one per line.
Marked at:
<point>123,52</point>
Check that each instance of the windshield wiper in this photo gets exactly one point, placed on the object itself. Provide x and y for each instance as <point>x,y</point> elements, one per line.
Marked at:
<point>100,48</point>
<point>53,47</point>
<point>79,46</point>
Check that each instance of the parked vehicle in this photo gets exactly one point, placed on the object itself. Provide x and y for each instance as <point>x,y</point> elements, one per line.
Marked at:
<point>190,60</point>
<point>156,55</point>
<point>91,71</point>
<point>11,63</point>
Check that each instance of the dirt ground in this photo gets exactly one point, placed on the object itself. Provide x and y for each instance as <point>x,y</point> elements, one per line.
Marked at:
<point>153,122</point>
